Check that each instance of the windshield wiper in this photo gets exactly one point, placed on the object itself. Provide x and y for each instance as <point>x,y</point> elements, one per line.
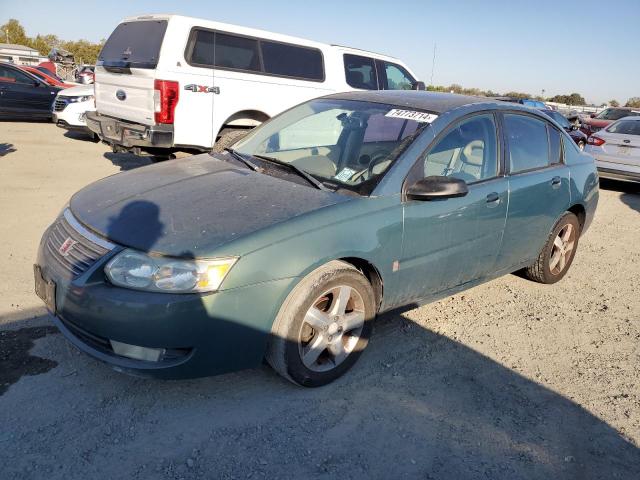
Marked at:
<point>238,156</point>
<point>307,176</point>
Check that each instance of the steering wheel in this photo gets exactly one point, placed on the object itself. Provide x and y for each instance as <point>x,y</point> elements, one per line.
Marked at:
<point>376,159</point>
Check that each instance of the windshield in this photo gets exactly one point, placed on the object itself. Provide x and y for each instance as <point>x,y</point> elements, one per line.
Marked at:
<point>616,114</point>
<point>134,44</point>
<point>558,117</point>
<point>625,127</point>
<point>343,143</point>
<point>50,73</point>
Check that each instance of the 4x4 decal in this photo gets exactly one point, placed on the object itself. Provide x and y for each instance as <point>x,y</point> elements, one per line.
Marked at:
<point>202,88</point>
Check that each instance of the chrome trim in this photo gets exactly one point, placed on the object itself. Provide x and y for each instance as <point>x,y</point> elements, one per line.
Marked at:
<point>86,233</point>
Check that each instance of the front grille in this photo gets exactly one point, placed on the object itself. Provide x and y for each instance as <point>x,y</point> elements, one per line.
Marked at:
<point>60,104</point>
<point>79,252</point>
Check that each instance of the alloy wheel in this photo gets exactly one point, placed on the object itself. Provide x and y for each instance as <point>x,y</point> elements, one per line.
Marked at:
<point>562,249</point>
<point>331,328</point>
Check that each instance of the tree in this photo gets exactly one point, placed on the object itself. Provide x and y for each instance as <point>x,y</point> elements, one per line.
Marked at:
<point>82,50</point>
<point>633,102</point>
<point>13,32</point>
<point>573,99</point>
<point>614,103</point>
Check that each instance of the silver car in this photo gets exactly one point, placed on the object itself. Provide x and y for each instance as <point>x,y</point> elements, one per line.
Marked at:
<point>617,150</point>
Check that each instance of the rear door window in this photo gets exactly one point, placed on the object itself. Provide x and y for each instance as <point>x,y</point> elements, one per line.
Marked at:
<point>134,44</point>
<point>360,72</point>
<point>226,51</point>
<point>292,61</point>
<point>528,142</point>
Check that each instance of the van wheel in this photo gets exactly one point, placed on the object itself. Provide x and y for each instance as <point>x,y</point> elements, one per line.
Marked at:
<point>558,253</point>
<point>323,326</point>
<point>228,137</point>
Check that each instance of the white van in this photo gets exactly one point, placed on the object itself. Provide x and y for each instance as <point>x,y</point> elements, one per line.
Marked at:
<point>173,82</point>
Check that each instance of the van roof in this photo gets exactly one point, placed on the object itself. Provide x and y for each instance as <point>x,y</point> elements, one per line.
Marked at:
<point>252,32</point>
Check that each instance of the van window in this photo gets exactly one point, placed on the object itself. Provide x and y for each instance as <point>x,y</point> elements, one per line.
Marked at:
<point>360,72</point>
<point>227,51</point>
<point>528,143</point>
<point>134,44</point>
<point>397,78</point>
<point>292,61</point>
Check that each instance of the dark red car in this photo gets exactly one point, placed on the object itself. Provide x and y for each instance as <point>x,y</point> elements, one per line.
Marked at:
<point>603,119</point>
<point>49,78</point>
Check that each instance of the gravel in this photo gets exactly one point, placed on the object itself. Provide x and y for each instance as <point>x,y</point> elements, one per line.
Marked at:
<point>509,380</point>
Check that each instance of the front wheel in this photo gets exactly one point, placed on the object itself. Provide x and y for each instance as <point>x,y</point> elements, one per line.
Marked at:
<point>558,253</point>
<point>323,326</point>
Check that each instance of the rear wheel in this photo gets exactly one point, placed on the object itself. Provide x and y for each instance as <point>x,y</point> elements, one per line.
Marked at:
<point>558,253</point>
<point>228,137</point>
<point>323,326</point>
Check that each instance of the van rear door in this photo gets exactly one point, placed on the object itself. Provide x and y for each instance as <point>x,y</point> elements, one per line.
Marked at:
<point>125,71</point>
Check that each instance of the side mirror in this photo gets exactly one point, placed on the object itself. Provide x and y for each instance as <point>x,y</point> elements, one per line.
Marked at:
<point>418,86</point>
<point>437,188</point>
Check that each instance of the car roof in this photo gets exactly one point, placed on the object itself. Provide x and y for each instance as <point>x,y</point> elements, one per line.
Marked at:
<point>435,102</point>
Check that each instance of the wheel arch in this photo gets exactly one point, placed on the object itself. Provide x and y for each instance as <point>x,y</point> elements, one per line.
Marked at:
<point>244,119</point>
<point>372,274</point>
<point>579,211</point>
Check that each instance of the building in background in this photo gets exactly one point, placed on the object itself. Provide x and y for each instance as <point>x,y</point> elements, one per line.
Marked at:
<point>20,55</point>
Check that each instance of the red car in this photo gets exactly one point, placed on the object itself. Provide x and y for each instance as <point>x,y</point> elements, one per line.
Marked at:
<point>606,117</point>
<point>47,77</point>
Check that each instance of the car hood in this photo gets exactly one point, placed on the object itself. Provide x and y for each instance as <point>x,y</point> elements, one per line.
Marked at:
<point>77,91</point>
<point>192,206</point>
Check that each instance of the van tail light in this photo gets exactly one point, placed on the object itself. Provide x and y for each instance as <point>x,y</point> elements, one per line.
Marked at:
<point>596,141</point>
<point>165,98</point>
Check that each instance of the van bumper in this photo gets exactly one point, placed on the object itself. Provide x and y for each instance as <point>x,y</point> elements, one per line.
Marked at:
<point>128,134</point>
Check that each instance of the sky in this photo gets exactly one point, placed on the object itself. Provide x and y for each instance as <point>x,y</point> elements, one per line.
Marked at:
<point>561,46</point>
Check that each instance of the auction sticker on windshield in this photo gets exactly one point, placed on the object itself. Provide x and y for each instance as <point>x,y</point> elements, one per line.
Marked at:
<point>411,115</point>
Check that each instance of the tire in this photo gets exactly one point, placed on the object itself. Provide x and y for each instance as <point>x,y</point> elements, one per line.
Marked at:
<point>336,342</point>
<point>552,265</point>
<point>228,137</point>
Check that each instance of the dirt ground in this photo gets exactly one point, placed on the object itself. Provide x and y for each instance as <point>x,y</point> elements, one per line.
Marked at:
<point>509,380</point>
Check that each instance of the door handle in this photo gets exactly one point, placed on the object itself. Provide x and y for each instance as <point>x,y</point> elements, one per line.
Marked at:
<point>556,182</point>
<point>493,199</point>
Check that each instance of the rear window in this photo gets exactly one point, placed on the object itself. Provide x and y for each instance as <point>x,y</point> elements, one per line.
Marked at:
<point>625,127</point>
<point>134,44</point>
<point>292,61</point>
<point>616,114</point>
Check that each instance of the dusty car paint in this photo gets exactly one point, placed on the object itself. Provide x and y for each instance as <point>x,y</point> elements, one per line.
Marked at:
<point>282,231</point>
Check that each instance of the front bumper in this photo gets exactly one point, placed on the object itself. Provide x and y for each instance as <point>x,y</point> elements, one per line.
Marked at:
<point>128,134</point>
<point>199,334</point>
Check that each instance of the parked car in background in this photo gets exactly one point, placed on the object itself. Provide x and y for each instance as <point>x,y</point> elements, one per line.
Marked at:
<point>280,248</point>
<point>579,137</point>
<point>616,149</point>
<point>23,95</point>
<point>173,82</point>
<point>71,106</point>
<point>85,75</point>
<point>596,122</point>
<point>49,78</point>
<point>527,102</point>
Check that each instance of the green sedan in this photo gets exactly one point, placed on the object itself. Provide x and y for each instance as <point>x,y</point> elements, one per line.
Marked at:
<point>286,246</point>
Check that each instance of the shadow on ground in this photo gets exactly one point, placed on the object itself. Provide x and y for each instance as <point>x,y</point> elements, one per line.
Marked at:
<point>6,149</point>
<point>78,135</point>
<point>630,191</point>
<point>128,161</point>
<point>417,405</point>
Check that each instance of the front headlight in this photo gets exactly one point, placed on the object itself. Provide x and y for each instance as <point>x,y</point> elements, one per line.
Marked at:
<point>84,98</point>
<point>139,271</point>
